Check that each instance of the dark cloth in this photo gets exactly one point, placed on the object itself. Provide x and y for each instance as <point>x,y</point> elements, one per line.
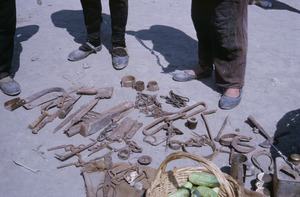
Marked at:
<point>7,33</point>
<point>221,27</point>
<point>92,11</point>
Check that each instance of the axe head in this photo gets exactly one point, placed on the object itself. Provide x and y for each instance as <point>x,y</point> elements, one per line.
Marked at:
<point>266,143</point>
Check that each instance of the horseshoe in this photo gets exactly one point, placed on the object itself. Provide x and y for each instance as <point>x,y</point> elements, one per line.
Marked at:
<point>225,142</point>
<point>236,144</point>
<point>259,153</point>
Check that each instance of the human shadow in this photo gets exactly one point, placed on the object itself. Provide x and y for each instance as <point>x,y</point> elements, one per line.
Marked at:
<point>277,5</point>
<point>22,34</point>
<point>73,22</point>
<point>287,134</point>
<point>176,47</point>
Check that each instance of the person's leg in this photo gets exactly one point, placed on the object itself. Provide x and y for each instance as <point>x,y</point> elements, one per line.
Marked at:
<point>92,12</point>
<point>7,32</point>
<point>119,15</point>
<point>230,45</point>
<point>201,15</point>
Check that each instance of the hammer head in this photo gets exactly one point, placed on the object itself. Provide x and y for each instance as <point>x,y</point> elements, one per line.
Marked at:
<point>105,92</point>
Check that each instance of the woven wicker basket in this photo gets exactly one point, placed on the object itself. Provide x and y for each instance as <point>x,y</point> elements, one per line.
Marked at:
<point>166,183</point>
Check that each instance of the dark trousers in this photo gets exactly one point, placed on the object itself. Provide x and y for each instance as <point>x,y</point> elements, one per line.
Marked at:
<point>221,27</point>
<point>92,11</point>
<point>7,33</point>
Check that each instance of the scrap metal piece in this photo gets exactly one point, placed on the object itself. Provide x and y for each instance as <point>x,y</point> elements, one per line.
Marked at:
<point>176,100</point>
<point>128,81</point>
<point>192,123</point>
<point>68,119</point>
<point>235,143</point>
<point>69,155</point>
<point>270,140</point>
<point>175,144</point>
<point>144,160</point>
<point>139,86</point>
<point>124,154</point>
<point>119,133</point>
<point>217,138</point>
<point>224,139</point>
<point>152,86</point>
<point>15,103</point>
<point>206,123</point>
<point>102,93</point>
<point>133,130</point>
<point>256,163</point>
<point>265,144</point>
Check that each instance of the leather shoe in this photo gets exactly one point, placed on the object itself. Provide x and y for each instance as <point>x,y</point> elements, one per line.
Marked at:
<point>85,50</point>
<point>9,86</point>
<point>184,76</point>
<point>227,102</point>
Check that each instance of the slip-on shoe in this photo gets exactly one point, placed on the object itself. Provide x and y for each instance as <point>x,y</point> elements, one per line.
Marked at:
<point>120,58</point>
<point>79,54</point>
<point>184,76</point>
<point>227,102</point>
<point>9,86</point>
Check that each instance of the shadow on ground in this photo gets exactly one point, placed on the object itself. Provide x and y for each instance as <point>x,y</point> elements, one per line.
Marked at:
<point>73,22</point>
<point>288,134</point>
<point>277,5</point>
<point>22,34</point>
<point>176,47</point>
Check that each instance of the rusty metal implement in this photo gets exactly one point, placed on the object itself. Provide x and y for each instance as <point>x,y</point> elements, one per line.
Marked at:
<point>181,114</point>
<point>236,144</point>
<point>69,155</point>
<point>15,103</point>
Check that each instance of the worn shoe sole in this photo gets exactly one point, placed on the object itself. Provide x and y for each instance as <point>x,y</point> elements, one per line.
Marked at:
<point>9,86</point>
<point>184,76</point>
<point>79,54</point>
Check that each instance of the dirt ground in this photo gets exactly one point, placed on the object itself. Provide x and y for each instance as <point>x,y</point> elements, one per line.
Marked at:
<point>47,33</point>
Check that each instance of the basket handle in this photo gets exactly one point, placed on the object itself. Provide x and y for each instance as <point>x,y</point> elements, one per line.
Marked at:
<point>210,166</point>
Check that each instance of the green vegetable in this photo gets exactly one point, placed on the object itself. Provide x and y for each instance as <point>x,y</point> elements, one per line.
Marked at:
<point>193,188</point>
<point>188,185</point>
<point>216,189</point>
<point>206,192</point>
<point>196,193</point>
<point>202,179</point>
<point>182,192</point>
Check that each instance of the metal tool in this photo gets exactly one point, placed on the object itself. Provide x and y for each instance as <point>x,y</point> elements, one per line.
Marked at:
<point>74,152</point>
<point>15,103</point>
<point>217,139</point>
<point>181,114</point>
<point>206,123</point>
<point>267,143</point>
<point>250,118</point>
